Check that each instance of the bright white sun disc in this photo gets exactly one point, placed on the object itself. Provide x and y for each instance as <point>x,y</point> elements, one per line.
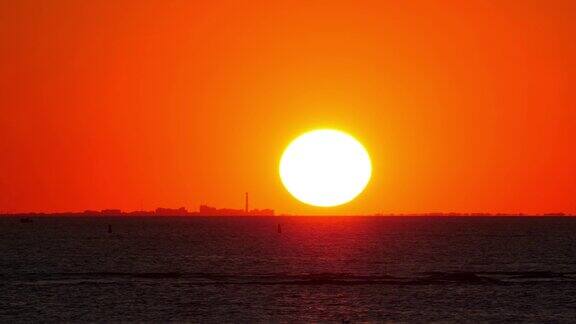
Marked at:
<point>325,168</point>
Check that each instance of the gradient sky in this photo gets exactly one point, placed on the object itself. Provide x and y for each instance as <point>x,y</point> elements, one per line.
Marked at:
<point>464,106</point>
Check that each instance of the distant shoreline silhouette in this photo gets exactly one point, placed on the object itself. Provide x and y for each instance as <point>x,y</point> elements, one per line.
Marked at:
<point>204,210</point>
<point>208,211</point>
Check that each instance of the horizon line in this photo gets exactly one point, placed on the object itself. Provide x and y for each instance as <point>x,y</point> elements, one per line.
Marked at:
<point>221,212</point>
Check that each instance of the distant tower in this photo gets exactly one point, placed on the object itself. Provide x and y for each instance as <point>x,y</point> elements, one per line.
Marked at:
<point>246,207</point>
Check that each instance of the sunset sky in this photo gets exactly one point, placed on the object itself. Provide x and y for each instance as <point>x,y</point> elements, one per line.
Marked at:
<point>466,106</point>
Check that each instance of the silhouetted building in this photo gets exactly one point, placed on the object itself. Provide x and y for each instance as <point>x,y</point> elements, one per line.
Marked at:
<point>171,212</point>
<point>205,210</point>
<point>246,206</point>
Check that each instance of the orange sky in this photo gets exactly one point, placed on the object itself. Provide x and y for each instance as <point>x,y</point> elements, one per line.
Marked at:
<point>464,105</point>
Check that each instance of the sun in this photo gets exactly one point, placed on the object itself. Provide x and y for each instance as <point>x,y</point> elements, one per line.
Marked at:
<point>325,168</point>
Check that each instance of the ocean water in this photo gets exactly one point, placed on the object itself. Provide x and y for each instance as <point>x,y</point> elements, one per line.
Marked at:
<point>318,269</point>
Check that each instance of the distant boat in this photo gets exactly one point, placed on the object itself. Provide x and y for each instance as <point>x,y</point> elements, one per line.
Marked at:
<point>26,220</point>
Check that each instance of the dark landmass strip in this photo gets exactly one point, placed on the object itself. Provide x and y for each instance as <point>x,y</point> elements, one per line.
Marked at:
<point>211,211</point>
<point>204,210</point>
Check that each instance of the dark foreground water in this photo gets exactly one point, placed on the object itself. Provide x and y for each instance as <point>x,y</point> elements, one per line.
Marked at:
<point>317,269</point>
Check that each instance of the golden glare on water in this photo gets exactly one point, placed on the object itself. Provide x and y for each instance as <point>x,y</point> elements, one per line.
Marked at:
<point>325,168</point>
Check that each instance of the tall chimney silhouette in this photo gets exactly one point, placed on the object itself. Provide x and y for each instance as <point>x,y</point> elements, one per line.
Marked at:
<point>246,207</point>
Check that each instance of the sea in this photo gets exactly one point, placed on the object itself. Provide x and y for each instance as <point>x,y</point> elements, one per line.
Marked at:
<point>288,269</point>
